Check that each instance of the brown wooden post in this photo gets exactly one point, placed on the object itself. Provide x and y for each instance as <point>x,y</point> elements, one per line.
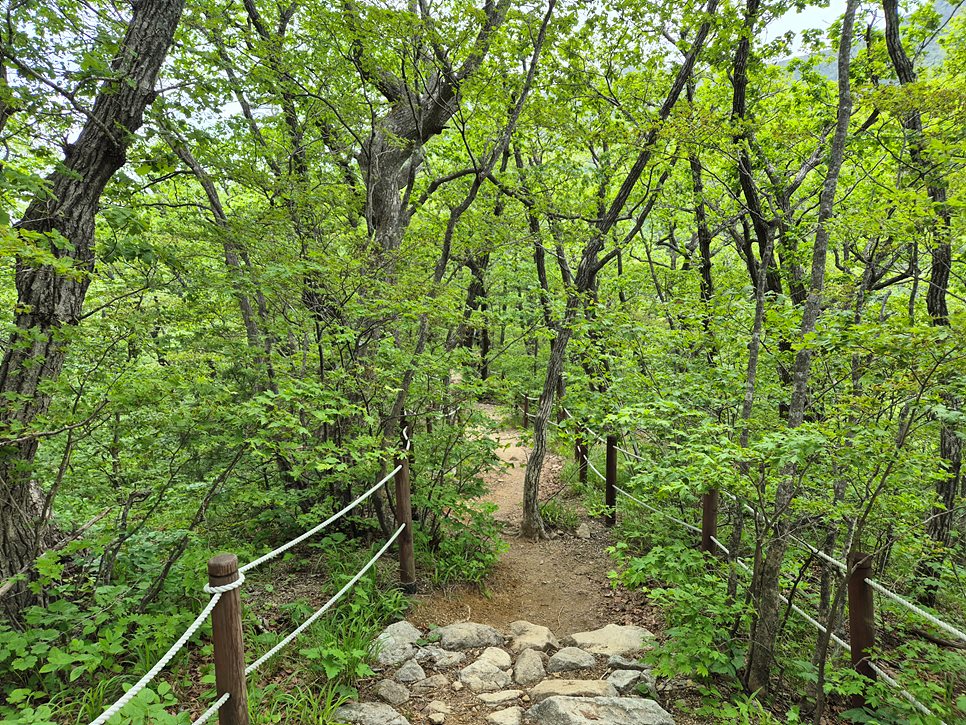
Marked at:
<point>610,490</point>
<point>709,520</point>
<point>226,632</point>
<point>861,619</point>
<point>404,515</point>
<point>526,412</point>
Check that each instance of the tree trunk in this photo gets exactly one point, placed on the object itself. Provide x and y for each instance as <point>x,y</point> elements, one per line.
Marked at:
<point>950,448</point>
<point>49,301</point>
<point>765,587</point>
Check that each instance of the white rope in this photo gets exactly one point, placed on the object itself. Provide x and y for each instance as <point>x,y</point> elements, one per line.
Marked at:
<point>405,435</point>
<point>594,469</point>
<point>323,609</point>
<point>160,665</point>
<point>801,542</point>
<point>888,594</point>
<point>630,454</point>
<point>316,529</point>
<point>721,546</point>
<point>845,646</point>
<point>905,693</point>
<point>215,707</point>
<point>225,588</point>
<point>685,524</point>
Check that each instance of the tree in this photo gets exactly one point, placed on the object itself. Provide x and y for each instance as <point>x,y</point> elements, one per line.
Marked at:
<point>50,297</point>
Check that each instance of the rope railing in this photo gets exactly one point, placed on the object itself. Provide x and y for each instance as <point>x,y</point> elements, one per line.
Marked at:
<point>889,594</point>
<point>324,608</point>
<point>316,529</point>
<point>133,691</point>
<point>860,657</point>
<point>219,591</point>
<point>215,707</point>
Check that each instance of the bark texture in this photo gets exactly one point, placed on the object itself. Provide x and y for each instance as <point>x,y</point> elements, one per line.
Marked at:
<point>48,300</point>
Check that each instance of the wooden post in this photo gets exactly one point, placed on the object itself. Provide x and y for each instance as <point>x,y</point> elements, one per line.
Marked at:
<point>610,490</point>
<point>226,632</point>
<point>526,412</point>
<point>404,515</point>
<point>581,454</point>
<point>861,619</point>
<point>709,520</point>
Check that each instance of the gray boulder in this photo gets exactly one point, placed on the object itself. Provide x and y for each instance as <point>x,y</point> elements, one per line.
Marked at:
<point>531,636</point>
<point>411,672</point>
<point>599,711</point>
<point>439,658</point>
<point>509,716</point>
<point>624,680</point>
<point>468,635</point>
<point>613,639</point>
<point>572,688</point>
<point>496,656</point>
<point>396,643</point>
<point>369,713</point>
<point>571,658</point>
<point>484,676</point>
<point>392,692</point>
<point>529,669</point>
<point>618,662</point>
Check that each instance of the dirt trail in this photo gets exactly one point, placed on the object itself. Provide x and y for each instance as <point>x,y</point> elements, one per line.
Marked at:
<point>561,583</point>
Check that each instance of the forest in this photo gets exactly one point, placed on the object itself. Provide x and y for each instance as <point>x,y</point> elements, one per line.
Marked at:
<point>256,252</point>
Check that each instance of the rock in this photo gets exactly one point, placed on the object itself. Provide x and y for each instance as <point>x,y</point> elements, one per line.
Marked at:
<point>392,692</point>
<point>572,688</point>
<point>396,643</point>
<point>440,658</point>
<point>617,662</point>
<point>496,656</point>
<point>614,639</point>
<point>531,636</point>
<point>484,676</point>
<point>468,635</point>
<point>583,531</point>
<point>510,716</point>
<point>624,680</point>
<point>369,713</point>
<point>599,711</point>
<point>457,685</point>
<point>648,684</point>
<point>430,683</point>
<point>439,706</point>
<point>498,698</point>
<point>411,672</point>
<point>571,658</point>
<point>529,669</point>
<point>437,718</point>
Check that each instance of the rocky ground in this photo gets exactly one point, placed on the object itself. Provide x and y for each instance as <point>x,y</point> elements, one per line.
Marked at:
<point>473,673</point>
<point>576,667</point>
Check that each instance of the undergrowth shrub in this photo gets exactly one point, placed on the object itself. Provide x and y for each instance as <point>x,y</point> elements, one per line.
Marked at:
<point>701,618</point>
<point>559,515</point>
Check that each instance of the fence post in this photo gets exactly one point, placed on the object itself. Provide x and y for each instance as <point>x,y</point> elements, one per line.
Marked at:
<point>709,520</point>
<point>581,455</point>
<point>861,619</point>
<point>404,515</point>
<point>526,411</point>
<point>610,492</point>
<point>229,645</point>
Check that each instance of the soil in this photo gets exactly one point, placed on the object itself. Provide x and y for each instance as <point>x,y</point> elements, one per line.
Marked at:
<point>560,583</point>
